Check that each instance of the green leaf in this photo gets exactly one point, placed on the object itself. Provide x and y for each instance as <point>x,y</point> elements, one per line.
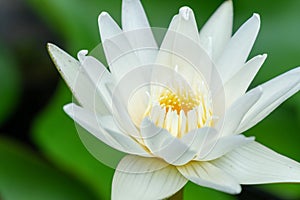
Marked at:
<point>55,134</point>
<point>193,191</point>
<point>9,83</point>
<point>24,176</point>
<point>77,21</point>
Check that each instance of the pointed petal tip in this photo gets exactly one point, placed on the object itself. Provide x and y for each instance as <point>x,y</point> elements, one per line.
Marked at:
<point>228,4</point>
<point>233,191</point>
<point>102,16</point>
<point>69,109</point>
<point>81,55</point>
<point>185,12</point>
<point>237,190</point>
<point>262,57</point>
<point>226,8</point>
<point>253,22</point>
<point>256,16</point>
<point>51,47</point>
<point>129,0</point>
<point>53,51</point>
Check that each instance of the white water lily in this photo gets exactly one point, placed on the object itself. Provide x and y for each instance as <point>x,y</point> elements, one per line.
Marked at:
<point>178,110</point>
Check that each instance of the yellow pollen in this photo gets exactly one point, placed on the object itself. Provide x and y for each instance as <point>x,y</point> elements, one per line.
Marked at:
<point>175,102</point>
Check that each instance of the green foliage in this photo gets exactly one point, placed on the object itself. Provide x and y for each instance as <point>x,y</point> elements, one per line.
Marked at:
<point>76,21</point>
<point>9,83</point>
<point>57,137</point>
<point>24,176</point>
<point>193,191</point>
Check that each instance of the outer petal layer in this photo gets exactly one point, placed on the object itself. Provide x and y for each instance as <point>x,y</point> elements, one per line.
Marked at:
<point>233,116</point>
<point>145,178</point>
<point>217,31</point>
<point>162,144</point>
<point>238,48</point>
<point>138,31</point>
<point>239,83</point>
<point>99,75</point>
<point>79,82</point>
<point>98,126</point>
<point>256,164</point>
<point>275,92</point>
<point>208,175</point>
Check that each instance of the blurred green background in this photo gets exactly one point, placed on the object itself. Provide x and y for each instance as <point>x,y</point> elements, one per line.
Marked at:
<point>41,156</point>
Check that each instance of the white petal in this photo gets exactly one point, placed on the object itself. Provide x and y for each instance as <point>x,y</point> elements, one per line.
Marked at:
<point>237,50</point>
<point>256,164</point>
<point>79,82</point>
<point>229,123</point>
<point>117,48</point>
<point>145,178</point>
<point>185,24</point>
<point>162,144</point>
<point>238,84</point>
<point>181,39</point>
<point>223,146</point>
<point>130,89</point>
<point>105,130</point>
<point>181,51</point>
<point>133,15</point>
<point>81,55</point>
<point>208,175</point>
<point>100,77</point>
<point>138,32</point>
<point>198,140</point>
<point>108,28</point>
<point>275,92</point>
<point>120,57</point>
<point>217,31</point>
<point>128,143</point>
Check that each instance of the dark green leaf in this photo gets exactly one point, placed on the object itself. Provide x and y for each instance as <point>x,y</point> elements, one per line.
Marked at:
<point>24,176</point>
<point>57,137</point>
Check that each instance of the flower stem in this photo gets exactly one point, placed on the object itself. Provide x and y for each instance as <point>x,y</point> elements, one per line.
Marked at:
<point>177,196</point>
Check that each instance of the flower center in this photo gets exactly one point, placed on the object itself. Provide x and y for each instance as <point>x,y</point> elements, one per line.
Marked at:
<point>180,110</point>
<point>175,102</point>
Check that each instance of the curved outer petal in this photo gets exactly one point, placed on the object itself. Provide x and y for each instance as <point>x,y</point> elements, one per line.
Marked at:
<point>79,82</point>
<point>256,164</point>
<point>185,23</point>
<point>98,126</point>
<point>217,31</point>
<point>118,51</point>
<point>164,145</point>
<point>234,115</point>
<point>133,15</point>
<point>238,48</point>
<point>145,178</point>
<point>99,75</point>
<point>275,92</point>
<point>138,31</point>
<point>180,46</point>
<point>222,146</point>
<point>108,28</point>
<point>208,175</point>
<point>239,83</point>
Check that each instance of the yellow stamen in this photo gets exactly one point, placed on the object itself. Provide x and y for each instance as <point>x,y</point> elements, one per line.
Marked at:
<point>178,102</point>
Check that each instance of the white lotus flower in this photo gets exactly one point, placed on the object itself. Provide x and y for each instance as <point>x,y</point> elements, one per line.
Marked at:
<point>178,110</point>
